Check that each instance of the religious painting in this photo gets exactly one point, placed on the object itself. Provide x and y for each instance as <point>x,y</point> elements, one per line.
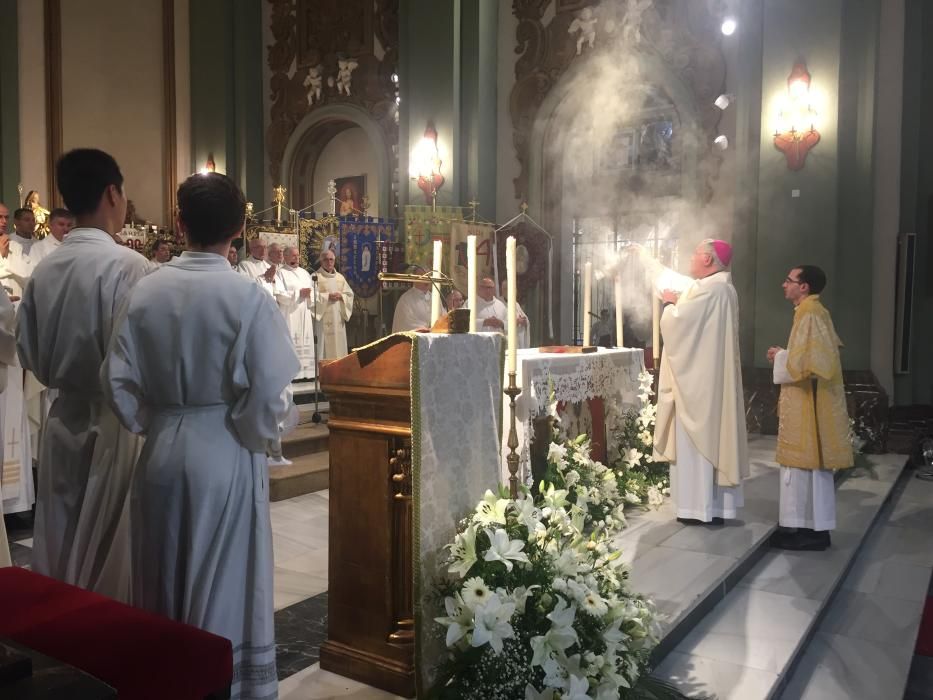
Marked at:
<point>350,193</point>
<point>327,28</point>
<point>331,243</point>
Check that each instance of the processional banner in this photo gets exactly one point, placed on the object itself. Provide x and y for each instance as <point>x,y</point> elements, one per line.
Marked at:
<point>286,240</point>
<point>457,257</point>
<point>423,225</point>
<point>362,243</point>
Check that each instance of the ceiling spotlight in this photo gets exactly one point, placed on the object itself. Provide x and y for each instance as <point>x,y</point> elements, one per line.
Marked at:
<point>723,101</point>
<point>729,26</point>
<point>395,78</point>
<point>722,142</point>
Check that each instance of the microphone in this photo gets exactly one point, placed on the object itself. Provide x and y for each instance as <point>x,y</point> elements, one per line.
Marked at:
<point>314,277</point>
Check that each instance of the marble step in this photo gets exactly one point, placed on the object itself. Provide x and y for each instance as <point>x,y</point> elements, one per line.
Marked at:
<point>863,646</point>
<point>308,473</point>
<point>305,439</point>
<point>748,643</point>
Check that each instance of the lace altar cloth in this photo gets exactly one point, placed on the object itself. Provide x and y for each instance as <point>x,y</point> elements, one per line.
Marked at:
<point>574,377</point>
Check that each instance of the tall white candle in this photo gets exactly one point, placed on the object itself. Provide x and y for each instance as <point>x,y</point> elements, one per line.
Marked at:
<point>587,301</point>
<point>435,290</point>
<point>619,314</point>
<point>513,296</point>
<point>656,329</point>
<point>471,280</point>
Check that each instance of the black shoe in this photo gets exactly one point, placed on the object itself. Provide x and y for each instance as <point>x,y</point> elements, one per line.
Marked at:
<point>800,541</point>
<point>695,521</point>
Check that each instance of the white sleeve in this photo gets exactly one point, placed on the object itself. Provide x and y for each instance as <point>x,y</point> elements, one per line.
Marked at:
<point>781,375</point>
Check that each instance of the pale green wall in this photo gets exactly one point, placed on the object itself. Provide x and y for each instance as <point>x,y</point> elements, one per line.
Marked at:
<point>9,107</point>
<point>226,90</point>
<point>448,76</point>
<point>917,195</point>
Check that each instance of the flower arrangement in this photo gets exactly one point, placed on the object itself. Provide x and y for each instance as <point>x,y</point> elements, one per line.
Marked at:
<point>537,609</point>
<point>641,479</point>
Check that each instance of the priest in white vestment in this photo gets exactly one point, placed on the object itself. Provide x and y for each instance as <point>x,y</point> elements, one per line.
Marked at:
<point>61,221</point>
<point>15,266</point>
<point>199,362</point>
<point>7,356</point>
<point>255,264</point>
<point>295,302</point>
<point>24,226</point>
<point>521,318</point>
<point>700,426</point>
<point>413,310</point>
<point>63,326</point>
<point>333,308</point>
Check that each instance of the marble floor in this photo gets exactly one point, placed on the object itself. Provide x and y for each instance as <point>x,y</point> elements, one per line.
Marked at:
<point>678,566</point>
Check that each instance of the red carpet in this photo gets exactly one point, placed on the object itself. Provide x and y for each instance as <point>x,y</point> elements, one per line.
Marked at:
<point>925,636</point>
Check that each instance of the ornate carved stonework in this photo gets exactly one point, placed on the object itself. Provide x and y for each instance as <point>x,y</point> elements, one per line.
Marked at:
<point>684,34</point>
<point>324,52</point>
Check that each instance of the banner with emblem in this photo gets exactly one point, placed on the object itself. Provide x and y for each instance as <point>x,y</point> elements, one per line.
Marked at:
<point>285,240</point>
<point>457,251</point>
<point>424,225</point>
<point>361,242</point>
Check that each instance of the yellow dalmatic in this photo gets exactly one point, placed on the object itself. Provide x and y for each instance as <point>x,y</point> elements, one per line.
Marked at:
<point>814,430</point>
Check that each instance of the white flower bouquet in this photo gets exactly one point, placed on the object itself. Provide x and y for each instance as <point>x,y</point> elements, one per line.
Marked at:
<point>537,609</point>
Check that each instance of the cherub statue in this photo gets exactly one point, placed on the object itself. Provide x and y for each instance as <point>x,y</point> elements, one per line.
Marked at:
<point>314,82</point>
<point>345,68</point>
<point>585,23</point>
<point>631,25</point>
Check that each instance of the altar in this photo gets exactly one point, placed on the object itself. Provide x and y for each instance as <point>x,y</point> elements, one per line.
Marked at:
<point>583,386</point>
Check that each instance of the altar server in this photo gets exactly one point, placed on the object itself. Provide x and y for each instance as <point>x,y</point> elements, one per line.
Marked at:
<point>413,310</point>
<point>700,427</point>
<point>296,303</point>
<point>7,356</point>
<point>199,361</point>
<point>63,326</point>
<point>333,308</point>
<point>813,437</point>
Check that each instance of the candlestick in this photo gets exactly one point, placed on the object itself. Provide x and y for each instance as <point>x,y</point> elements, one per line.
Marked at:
<point>471,280</point>
<point>511,458</point>
<point>435,289</point>
<point>619,315</point>
<point>513,293</point>
<point>656,329</point>
<point>587,301</point>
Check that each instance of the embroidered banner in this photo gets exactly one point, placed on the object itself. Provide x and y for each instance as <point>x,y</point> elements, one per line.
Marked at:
<point>457,252</point>
<point>359,252</point>
<point>422,226</point>
<point>283,239</point>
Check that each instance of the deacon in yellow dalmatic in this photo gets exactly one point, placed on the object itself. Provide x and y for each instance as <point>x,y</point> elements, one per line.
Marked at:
<point>813,437</point>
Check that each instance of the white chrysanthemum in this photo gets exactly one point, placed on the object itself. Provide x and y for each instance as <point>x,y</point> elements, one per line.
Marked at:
<point>655,498</point>
<point>632,497</point>
<point>593,604</point>
<point>475,592</point>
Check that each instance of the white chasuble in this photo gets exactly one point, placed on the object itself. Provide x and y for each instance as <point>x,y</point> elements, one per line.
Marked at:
<point>298,316</point>
<point>413,311</point>
<point>199,362</point>
<point>15,269</point>
<point>85,458</point>
<point>700,382</point>
<point>252,268</point>
<point>333,315</point>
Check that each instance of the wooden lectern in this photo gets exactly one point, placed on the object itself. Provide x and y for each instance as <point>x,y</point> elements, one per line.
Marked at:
<point>370,619</point>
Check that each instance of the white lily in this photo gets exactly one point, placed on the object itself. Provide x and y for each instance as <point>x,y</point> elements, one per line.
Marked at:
<point>463,552</point>
<point>557,453</point>
<point>492,509</point>
<point>531,693</point>
<point>491,624</point>
<point>501,548</point>
<point>459,620</point>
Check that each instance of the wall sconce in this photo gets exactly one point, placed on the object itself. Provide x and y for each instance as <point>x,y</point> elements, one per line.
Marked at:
<point>425,165</point>
<point>795,133</point>
<point>209,166</point>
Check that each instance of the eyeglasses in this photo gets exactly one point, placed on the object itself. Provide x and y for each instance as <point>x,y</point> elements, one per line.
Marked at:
<point>789,280</point>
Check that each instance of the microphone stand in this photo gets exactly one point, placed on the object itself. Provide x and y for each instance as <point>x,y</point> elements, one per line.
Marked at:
<point>316,416</point>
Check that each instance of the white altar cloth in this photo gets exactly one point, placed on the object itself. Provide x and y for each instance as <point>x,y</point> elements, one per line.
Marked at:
<point>611,374</point>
